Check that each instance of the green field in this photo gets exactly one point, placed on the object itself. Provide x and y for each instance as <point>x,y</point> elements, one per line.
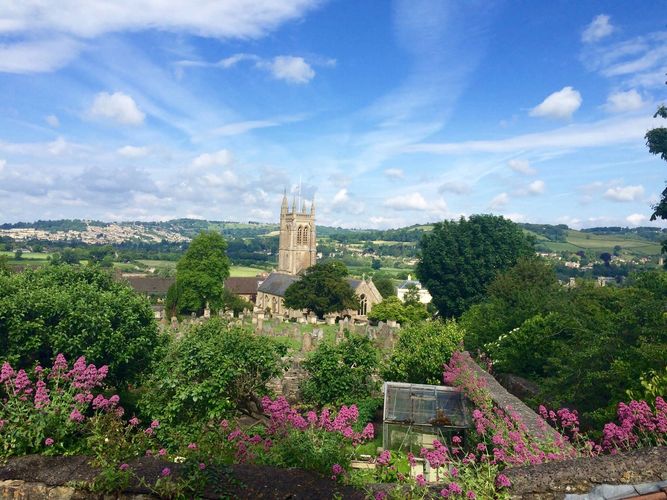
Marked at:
<point>578,240</point>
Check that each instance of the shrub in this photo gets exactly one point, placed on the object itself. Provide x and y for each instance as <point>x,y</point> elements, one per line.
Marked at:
<point>213,371</point>
<point>421,350</point>
<point>76,312</point>
<point>341,373</point>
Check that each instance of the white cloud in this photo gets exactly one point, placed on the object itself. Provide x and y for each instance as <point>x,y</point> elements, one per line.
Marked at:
<point>117,107</point>
<point>220,158</point>
<point>456,187</point>
<point>345,202</point>
<point>230,61</point>
<point>57,147</point>
<point>291,69</point>
<point>624,193</point>
<point>36,56</point>
<point>596,134</point>
<point>536,187</point>
<point>619,102</point>
<point>53,121</point>
<point>599,28</point>
<point>394,173</point>
<point>133,151</point>
<point>636,219</point>
<point>2,165</point>
<point>561,104</point>
<point>91,18</point>
<point>499,201</point>
<point>521,166</point>
<point>239,128</point>
<point>412,201</point>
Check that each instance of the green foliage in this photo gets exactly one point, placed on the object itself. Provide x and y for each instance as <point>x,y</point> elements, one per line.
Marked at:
<point>421,350</point>
<point>235,302</point>
<point>385,286</point>
<point>392,308</point>
<point>527,289</point>
<point>592,346</point>
<point>201,274</point>
<point>18,255</point>
<point>459,259</point>
<point>341,373</point>
<point>213,371</point>
<point>656,140</point>
<point>4,264</point>
<point>653,384</point>
<point>322,290</point>
<point>76,311</point>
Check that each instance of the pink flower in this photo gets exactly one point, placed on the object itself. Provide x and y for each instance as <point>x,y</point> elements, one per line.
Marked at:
<point>380,495</point>
<point>456,440</point>
<point>471,495</point>
<point>162,452</point>
<point>76,416</point>
<point>503,481</point>
<point>48,441</point>
<point>202,466</point>
<point>224,424</point>
<point>155,424</point>
<point>192,446</point>
<point>384,458</point>
<point>420,480</point>
<point>134,421</point>
<point>124,467</point>
<point>149,431</point>
<point>336,469</point>
<point>165,472</point>
<point>455,489</point>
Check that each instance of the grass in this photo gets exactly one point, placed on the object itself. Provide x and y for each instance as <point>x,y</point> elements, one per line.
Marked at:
<point>26,256</point>
<point>244,271</point>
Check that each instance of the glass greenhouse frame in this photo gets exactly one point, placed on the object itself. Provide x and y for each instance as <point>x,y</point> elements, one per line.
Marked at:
<point>417,414</point>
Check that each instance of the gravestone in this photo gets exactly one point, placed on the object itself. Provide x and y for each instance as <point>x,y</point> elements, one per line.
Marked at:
<point>306,342</point>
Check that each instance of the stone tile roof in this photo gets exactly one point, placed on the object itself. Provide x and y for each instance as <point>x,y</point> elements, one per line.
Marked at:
<point>277,283</point>
<point>243,286</point>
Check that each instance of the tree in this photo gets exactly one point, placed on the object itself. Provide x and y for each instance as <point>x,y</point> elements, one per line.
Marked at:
<point>384,285</point>
<point>421,350</point>
<point>392,308</point>
<point>322,290</point>
<point>376,264</point>
<point>77,312</point>
<point>459,259</point>
<point>212,372</point>
<point>656,140</point>
<point>527,289</point>
<point>201,274</point>
<point>18,255</point>
<point>341,373</point>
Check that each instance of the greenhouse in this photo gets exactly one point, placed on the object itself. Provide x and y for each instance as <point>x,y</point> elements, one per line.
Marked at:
<point>417,414</point>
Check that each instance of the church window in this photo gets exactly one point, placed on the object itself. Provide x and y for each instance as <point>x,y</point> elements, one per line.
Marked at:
<point>305,235</point>
<point>363,305</point>
<point>298,235</point>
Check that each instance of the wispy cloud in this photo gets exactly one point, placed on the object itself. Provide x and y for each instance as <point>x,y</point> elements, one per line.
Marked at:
<point>596,134</point>
<point>37,56</point>
<point>599,28</point>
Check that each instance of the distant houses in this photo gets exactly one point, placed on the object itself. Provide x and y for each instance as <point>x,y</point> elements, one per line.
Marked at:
<point>407,285</point>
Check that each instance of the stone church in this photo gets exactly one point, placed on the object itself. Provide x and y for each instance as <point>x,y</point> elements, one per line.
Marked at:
<point>297,251</point>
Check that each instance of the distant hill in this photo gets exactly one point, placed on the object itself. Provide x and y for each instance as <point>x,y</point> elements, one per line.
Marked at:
<point>641,241</point>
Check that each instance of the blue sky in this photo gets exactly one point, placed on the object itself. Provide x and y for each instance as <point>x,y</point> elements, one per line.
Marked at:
<point>389,113</point>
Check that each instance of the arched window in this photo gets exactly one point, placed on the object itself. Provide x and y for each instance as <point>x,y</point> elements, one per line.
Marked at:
<point>363,305</point>
<point>306,230</point>
<point>298,235</point>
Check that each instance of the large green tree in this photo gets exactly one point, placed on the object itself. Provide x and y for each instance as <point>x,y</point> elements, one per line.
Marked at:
<point>200,274</point>
<point>322,289</point>
<point>76,312</point>
<point>656,140</point>
<point>460,258</point>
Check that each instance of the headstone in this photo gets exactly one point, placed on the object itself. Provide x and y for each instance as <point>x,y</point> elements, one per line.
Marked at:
<point>312,319</point>
<point>330,319</point>
<point>253,320</point>
<point>260,322</point>
<point>307,342</point>
<point>391,323</point>
<point>207,312</point>
<point>174,322</point>
<point>319,333</point>
<point>302,320</point>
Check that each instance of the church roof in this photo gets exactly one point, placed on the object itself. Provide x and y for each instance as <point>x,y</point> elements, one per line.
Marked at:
<point>277,283</point>
<point>242,286</point>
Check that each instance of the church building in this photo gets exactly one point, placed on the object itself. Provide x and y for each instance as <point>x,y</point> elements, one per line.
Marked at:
<point>297,251</point>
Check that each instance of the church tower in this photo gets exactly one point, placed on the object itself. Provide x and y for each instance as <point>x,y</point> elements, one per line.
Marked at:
<point>297,249</point>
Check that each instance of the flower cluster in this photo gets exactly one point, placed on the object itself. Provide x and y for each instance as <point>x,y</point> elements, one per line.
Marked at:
<point>282,417</point>
<point>52,406</point>
<point>638,424</point>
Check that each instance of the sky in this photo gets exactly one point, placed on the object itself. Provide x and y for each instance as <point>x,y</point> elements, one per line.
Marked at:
<point>388,113</point>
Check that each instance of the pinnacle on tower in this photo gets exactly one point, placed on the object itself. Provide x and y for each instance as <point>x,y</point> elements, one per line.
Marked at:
<point>284,207</point>
<point>312,206</point>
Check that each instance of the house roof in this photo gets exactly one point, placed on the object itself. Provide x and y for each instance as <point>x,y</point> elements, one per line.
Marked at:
<point>243,286</point>
<point>150,285</point>
<point>277,283</point>
<point>409,283</point>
